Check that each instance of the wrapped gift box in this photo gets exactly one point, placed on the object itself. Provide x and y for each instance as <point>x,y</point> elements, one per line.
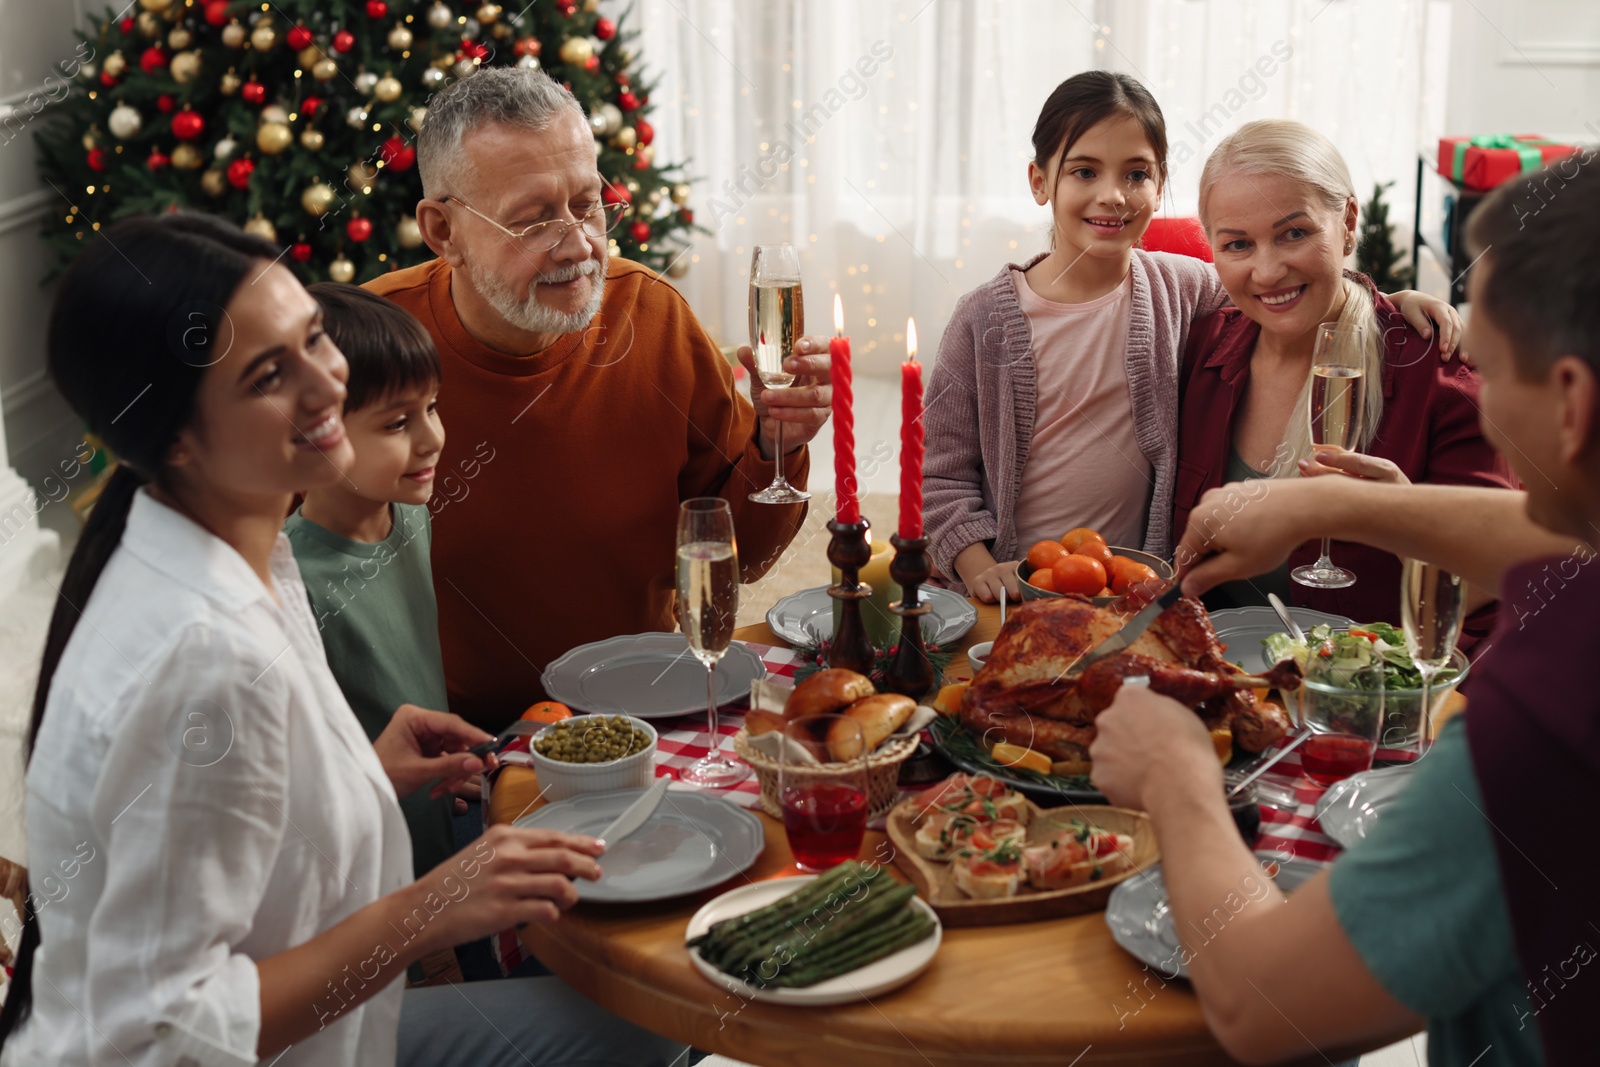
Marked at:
<point>1485,161</point>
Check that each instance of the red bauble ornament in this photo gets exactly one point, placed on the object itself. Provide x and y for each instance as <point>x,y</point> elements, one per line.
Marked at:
<point>97,159</point>
<point>687,216</point>
<point>187,125</point>
<point>528,46</point>
<point>126,25</point>
<point>300,252</point>
<point>592,64</point>
<point>641,163</point>
<point>358,229</point>
<point>106,79</point>
<point>473,50</point>
<point>627,101</point>
<point>298,37</point>
<point>239,172</point>
<point>640,231</point>
<point>343,41</point>
<point>646,132</point>
<point>567,7</point>
<point>605,29</point>
<point>377,9</point>
<point>152,59</point>
<point>396,154</point>
<point>157,159</point>
<point>165,104</point>
<point>616,194</point>
<point>309,105</point>
<point>216,13</point>
<point>253,92</point>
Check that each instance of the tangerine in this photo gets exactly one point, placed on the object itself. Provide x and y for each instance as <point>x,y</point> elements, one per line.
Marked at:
<point>547,711</point>
<point>1044,579</point>
<point>1043,555</point>
<point>1077,573</point>
<point>1077,536</point>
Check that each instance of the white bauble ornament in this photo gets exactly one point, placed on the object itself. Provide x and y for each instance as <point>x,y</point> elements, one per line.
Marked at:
<point>341,270</point>
<point>223,149</point>
<point>125,122</point>
<point>465,67</point>
<point>274,113</point>
<point>356,117</point>
<point>439,16</point>
<point>88,72</point>
<point>528,62</point>
<point>400,39</point>
<point>233,35</point>
<point>365,82</point>
<point>613,117</point>
<point>433,78</point>
<point>407,233</point>
<point>417,115</point>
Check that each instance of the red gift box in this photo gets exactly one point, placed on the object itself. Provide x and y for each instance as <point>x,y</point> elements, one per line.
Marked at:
<point>1485,161</point>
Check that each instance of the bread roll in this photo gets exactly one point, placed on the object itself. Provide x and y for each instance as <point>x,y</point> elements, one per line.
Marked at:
<point>879,715</point>
<point>826,693</point>
<point>758,722</point>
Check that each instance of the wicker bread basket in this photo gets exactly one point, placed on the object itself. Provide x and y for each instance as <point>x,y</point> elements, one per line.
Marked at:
<point>883,773</point>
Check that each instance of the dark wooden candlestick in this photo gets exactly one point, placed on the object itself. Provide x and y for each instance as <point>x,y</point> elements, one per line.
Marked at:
<point>849,551</point>
<point>909,671</point>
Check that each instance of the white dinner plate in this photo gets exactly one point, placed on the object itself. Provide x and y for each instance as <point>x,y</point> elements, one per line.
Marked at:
<point>1242,630</point>
<point>859,984</point>
<point>1141,919</point>
<point>650,676</point>
<point>803,618</point>
<point>1350,808</point>
<point>692,841</point>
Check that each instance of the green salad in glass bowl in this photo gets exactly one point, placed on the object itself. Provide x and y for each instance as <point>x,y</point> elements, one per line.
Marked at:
<point>1351,653</point>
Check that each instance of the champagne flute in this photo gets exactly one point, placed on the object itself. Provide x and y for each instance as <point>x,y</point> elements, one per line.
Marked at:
<point>1432,604</point>
<point>1338,404</point>
<point>777,320</point>
<point>708,601</point>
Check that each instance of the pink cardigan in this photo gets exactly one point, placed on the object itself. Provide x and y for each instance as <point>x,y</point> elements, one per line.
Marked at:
<point>981,397</point>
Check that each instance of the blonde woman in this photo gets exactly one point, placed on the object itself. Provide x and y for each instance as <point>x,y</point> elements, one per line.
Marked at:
<point>1281,212</point>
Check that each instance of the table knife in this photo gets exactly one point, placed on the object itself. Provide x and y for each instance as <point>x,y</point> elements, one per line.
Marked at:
<point>637,814</point>
<point>1132,629</point>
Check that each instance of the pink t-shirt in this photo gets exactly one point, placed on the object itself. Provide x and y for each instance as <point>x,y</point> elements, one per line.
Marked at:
<point>1084,465</point>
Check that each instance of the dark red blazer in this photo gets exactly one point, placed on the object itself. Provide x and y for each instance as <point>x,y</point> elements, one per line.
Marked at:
<point>1429,430</point>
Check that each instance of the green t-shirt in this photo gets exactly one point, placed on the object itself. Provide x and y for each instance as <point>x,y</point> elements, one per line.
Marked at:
<point>375,608</point>
<point>1421,901</point>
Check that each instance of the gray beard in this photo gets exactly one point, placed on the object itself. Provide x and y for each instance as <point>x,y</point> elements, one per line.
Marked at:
<point>530,315</point>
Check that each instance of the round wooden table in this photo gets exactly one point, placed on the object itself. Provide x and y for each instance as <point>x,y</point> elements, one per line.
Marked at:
<point>1058,991</point>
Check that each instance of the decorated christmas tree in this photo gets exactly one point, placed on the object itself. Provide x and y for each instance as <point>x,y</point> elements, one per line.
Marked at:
<point>1377,255</point>
<point>298,119</point>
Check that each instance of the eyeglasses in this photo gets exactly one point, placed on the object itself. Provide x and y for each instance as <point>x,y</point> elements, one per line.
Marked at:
<point>544,236</point>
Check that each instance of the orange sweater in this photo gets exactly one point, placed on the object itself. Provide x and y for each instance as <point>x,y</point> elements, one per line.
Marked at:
<point>555,510</point>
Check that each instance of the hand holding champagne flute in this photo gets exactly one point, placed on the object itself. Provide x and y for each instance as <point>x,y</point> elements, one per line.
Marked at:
<point>1433,603</point>
<point>708,603</point>
<point>777,320</point>
<point>1338,408</point>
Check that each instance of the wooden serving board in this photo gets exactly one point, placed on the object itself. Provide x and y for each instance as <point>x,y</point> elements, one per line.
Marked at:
<point>937,886</point>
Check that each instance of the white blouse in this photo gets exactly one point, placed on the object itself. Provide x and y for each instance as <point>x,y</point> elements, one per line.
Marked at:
<point>200,797</point>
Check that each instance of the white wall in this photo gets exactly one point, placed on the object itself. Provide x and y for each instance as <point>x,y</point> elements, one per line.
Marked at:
<point>40,431</point>
<point>1525,66</point>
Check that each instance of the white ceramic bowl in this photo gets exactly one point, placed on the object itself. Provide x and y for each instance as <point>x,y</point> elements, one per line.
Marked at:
<point>559,780</point>
<point>979,653</point>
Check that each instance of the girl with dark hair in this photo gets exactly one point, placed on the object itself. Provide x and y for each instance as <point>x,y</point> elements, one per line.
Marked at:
<point>1054,401</point>
<point>237,874</point>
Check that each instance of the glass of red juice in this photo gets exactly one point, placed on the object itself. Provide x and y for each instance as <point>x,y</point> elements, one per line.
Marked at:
<point>1342,702</point>
<point>822,790</point>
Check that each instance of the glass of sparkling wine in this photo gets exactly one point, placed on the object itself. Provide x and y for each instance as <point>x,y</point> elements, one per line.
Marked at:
<point>777,320</point>
<point>708,601</point>
<point>1338,404</point>
<point>1432,604</point>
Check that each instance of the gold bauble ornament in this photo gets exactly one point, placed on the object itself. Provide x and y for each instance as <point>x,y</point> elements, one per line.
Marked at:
<point>149,23</point>
<point>341,270</point>
<point>307,57</point>
<point>88,138</point>
<point>626,138</point>
<point>465,68</point>
<point>591,6</point>
<point>680,193</point>
<point>317,199</point>
<point>433,78</point>
<point>417,115</point>
<point>400,38</point>
<point>503,32</point>
<point>273,137</point>
<point>261,228</point>
<point>324,69</point>
<point>632,185</point>
<point>263,37</point>
<point>188,157</point>
<point>645,153</point>
<point>179,39</point>
<point>233,35</point>
<point>408,233</point>
<point>487,13</point>
<point>157,6</point>
<point>185,67</point>
<point>273,113</point>
<point>229,83</point>
<point>213,182</point>
<point>388,89</point>
<point>362,175</point>
<point>115,64</point>
<point>576,51</point>
<point>678,267</point>
<point>311,140</point>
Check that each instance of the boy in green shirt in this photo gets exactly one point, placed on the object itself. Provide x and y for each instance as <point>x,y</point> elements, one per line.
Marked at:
<point>363,543</point>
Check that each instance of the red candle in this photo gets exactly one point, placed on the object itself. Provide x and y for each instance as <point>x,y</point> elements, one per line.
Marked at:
<point>911,439</point>
<point>844,425</point>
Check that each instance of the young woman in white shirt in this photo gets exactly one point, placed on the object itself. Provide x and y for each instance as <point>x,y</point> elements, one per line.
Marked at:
<point>224,869</point>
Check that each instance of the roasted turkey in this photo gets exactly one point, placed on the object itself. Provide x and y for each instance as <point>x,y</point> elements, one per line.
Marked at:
<point>1032,692</point>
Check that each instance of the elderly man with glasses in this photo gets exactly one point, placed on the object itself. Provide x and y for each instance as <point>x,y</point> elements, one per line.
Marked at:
<point>584,400</point>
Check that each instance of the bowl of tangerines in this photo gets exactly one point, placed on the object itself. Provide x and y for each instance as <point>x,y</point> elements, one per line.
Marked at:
<point>1082,562</point>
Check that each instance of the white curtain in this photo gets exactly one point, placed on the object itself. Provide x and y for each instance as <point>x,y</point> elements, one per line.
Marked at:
<point>889,141</point>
